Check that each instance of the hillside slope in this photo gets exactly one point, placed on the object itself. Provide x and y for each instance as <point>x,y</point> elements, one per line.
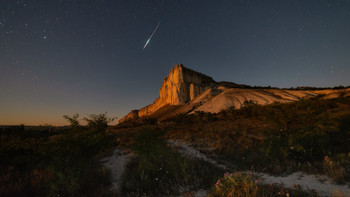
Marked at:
<point>186,91</point>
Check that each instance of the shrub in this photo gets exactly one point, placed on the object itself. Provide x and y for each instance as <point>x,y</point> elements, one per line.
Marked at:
<point>53,163</point>
<point>158,170</point>
<point>235,185</point>
<point>244,185</point>
<point>98,122</point>
<point>333,169</point>
<point>73,120</point>
<point>95,122</point>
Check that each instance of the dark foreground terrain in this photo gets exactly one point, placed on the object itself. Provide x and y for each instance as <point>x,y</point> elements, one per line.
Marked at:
<point>310,136</point>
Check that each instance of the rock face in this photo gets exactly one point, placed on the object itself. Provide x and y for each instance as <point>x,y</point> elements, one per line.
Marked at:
<point>134,114</point>
<point>185,91</point>
<point>180,86</point>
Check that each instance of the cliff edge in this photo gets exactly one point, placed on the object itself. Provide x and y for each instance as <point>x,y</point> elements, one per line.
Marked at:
<point>185,91</point>
<point>179,87</point>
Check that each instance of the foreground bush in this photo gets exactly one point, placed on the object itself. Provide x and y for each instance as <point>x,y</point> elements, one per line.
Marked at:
<point>280,138</point>
<point>240,184</point>
<point>60,162</point>
<point>236,184</point>
<point>157,170</point>
<point>333,169</point>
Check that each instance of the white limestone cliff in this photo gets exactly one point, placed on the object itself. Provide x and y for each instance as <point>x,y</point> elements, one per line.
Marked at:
<point>186,91</point>
<point>180,86</point>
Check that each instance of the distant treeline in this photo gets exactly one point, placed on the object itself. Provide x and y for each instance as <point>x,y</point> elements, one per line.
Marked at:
<point>30,131</point>
<point>12,127</point>
<point>299,88</point>
<point>318,88</point>
<point>6,129</point>
<point>243,86</point>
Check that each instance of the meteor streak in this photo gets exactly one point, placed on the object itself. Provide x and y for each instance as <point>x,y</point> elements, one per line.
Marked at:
<point>149,39</point>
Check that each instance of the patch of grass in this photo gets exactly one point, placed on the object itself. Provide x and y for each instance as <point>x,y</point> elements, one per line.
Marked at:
<point>334,169</point>
<point>277,138</point>
<point>53,162</point>
<point>236,184</point>
<point>241,185</point>
<point>158,170</point>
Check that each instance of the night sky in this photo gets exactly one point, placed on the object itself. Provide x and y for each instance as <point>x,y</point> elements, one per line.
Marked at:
<point>86,57</point>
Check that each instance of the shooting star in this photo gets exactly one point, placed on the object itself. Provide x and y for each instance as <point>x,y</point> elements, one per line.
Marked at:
<point>149,39</point>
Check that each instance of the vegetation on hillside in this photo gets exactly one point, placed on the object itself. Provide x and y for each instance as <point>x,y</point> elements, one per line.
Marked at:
<point>240,184</point>
<point>158,170</point>
<point>59,162</point>
<point>311,135</point>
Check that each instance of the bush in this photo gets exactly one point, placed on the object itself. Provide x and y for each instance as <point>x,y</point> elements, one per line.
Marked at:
<point>160,171</point>
<point>235,185</point>
<point>73,120</point>
<point>333,169</point>
<point>98,122</point>
<point>51,163</point>
<point>95,122</point>
<point>240,184</point>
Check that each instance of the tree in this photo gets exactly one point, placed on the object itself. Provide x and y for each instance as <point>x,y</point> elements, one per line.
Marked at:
<point>74,122</point>
<point>98,122</point>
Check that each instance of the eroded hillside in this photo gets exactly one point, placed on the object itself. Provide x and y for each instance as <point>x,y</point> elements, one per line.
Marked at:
<point>185,91</point>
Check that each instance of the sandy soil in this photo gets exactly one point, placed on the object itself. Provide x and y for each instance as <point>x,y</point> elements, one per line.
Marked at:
<point>191,152</point>
<point>323,185</point>
<point>117,163</point>
<point>236,97</point>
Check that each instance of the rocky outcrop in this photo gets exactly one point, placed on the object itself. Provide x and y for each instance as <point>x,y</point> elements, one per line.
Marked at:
<point>180,86</point>
<point>185,91</point>
<point>134,114</point>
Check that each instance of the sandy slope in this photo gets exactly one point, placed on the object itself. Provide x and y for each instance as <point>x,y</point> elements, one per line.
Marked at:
<point>236,97</point>
<point>220,98</point>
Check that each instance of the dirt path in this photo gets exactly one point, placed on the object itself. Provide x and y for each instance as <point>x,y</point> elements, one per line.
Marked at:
<point>117,163</point>
<point>323,185</point>
<point>191,152</point>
